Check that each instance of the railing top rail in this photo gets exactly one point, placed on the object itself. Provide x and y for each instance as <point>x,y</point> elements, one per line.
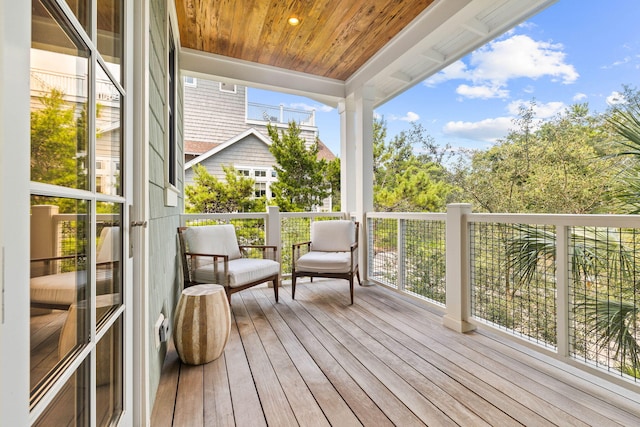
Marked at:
<point>312,214</point>
<point>622,221</point>
<point>243,215</point>
<point>431,216</point>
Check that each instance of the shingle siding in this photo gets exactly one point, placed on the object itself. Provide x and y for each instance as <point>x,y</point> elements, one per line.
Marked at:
<point>212,115</point>
<point>164,285</point>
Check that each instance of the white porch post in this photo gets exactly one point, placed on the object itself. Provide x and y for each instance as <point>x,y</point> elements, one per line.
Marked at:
<point>364,98</point>
<point>457,258</point>
<point>346,108</point>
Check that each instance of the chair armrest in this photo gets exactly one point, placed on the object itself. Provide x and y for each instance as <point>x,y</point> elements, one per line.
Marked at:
<point>296,251</point>
<point>268,251</point>
<point>192,257</point>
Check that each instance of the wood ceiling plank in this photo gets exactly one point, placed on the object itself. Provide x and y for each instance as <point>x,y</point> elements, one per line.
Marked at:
<point>334,38</point>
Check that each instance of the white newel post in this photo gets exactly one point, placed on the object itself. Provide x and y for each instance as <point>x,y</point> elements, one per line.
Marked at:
<point>457,258</point>
<point>273,235</point>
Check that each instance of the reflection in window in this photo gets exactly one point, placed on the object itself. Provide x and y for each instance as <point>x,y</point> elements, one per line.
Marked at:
<point>108,256</point>
<point>58,284</point>
<point>108,135</point>
<point>110,34</point>
<point>69,408</point>
<point>109,398</point>
<point>59,92</point>
<point>82,10</point>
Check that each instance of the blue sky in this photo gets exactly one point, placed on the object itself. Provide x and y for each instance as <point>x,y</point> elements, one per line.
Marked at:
<point>574,51</point>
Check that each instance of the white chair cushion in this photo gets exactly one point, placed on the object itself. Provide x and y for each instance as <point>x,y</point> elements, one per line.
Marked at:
<point>324,262</point>
<point>332,236</point>
<point>62,289</point>
<point>212,239</point>
<point>241,271</point>
<point>108,249</point>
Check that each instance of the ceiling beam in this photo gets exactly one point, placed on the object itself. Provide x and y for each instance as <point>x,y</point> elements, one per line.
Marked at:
<point>222,68</point>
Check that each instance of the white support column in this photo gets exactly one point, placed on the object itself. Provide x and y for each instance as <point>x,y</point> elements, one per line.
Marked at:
<point>458,284</point>
<point>364,97</point>
<point>346,108</point>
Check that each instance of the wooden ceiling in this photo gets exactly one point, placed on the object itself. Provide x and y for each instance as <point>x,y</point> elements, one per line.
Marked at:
<point>334,37</point>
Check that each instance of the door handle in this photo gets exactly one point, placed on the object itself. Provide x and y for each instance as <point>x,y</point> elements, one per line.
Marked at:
<point>139,224</point>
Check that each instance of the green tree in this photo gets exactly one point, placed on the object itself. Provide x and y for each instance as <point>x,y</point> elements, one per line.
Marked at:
<point>58,143</point>
<point>208,194</point>
<point>552,167</point>
<point>302,183</point>
<point>405,180</point>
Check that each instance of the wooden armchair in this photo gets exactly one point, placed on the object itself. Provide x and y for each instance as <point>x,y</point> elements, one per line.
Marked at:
<point>332,252</point>
<point>211,254</point>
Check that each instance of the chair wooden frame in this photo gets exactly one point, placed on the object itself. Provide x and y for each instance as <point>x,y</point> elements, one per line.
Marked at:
<point>188,258</point>
<point>298,250</point>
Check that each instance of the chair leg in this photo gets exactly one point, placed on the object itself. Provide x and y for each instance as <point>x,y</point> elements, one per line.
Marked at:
<point>351,287</point>
<point>358,275</point>
<point>228,292</point>
<point>275,287</point>
<point>293,286</point>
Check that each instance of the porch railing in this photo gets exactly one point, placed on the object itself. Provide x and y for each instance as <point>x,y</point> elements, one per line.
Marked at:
<point>553,281</point>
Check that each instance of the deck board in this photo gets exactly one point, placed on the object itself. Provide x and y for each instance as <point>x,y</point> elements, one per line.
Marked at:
<point>386,360</point>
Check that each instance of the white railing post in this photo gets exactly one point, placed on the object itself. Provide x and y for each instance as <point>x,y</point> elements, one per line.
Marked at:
<point>458,301</point>
<point>562,290</point>
<point>273,233</point>
<point>401,254</point>
<point>281,113</point>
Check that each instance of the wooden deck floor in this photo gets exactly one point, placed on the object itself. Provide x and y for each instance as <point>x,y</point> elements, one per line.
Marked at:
<point>383,361</point>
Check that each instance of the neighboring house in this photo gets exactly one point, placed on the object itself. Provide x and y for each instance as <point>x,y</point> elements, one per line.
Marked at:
<point>221,128</point>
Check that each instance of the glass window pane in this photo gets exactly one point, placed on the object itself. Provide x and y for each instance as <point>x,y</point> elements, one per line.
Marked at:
<point>59,323</point>
<point>108,135</point>
<point>59,89</point>
<point>109,393</point>
<point>69,408</point>
<point>110,34</point>
<point>108,256</point>
<point>81,9</point>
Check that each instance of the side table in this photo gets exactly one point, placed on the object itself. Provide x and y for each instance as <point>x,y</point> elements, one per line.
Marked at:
<point>202,323</point>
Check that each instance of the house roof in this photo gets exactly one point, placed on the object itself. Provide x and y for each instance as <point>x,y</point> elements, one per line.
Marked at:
<point>198,147</point>
<point>192,147</point>
<point>385,46</point>
<point>226,144</point>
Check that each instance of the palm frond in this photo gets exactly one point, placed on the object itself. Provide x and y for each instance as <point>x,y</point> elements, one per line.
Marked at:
<point>613,323</point>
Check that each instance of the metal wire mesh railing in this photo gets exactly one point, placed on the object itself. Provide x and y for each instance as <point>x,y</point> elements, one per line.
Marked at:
<point>603,289</point>
<point>513,279</point>
<point>407,252</point>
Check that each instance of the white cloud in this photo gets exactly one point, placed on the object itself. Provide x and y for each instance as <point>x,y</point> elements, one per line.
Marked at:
<point>318,107</point>
<point>488,130</point>
<point>482,92</point>
<point>495,64</point>
<point>410,117</point>
<point>541,111</point>
<point>579,96</point>
<point>457,70</point>
<point>616,98</point>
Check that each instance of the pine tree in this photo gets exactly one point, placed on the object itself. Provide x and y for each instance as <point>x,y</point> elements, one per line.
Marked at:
<point>302,184</point>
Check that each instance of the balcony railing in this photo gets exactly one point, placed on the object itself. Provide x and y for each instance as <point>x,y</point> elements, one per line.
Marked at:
<point>565,284</point>
<point>280,114</point>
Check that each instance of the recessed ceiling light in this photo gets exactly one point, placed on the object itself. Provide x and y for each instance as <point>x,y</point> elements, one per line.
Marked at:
<point>294,21</point>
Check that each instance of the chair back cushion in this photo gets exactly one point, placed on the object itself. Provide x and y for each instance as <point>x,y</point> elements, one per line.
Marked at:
<point>212,239</point>
<point>109,246</point>
<point>332,236</point>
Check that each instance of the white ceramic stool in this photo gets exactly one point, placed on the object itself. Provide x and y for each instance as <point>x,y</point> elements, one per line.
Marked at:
<point>201,324</point>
